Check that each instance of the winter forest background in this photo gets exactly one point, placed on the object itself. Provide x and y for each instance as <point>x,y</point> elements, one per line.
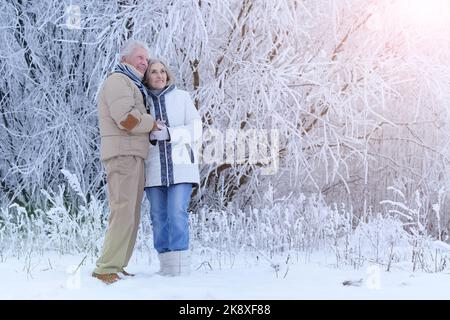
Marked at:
<point>350,97</point>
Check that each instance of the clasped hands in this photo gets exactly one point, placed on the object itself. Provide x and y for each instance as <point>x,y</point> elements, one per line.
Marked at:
<point>160,132</point>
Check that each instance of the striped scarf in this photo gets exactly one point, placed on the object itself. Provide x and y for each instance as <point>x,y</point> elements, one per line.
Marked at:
<point>122,68</point>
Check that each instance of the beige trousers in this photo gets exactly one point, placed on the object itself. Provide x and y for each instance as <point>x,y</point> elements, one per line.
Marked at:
<point>125,179</point>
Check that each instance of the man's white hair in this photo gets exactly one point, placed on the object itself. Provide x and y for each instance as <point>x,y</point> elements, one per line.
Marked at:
<point>130,45</point>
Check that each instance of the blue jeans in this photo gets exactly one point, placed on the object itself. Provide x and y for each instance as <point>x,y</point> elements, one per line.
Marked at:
<point>170,220</point>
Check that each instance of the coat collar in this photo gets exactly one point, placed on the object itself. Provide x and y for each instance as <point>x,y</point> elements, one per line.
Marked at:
<point>135,71</point>
<point>166,90</point>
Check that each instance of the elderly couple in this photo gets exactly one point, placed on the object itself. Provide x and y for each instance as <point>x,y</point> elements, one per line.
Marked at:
<point>149,131</point>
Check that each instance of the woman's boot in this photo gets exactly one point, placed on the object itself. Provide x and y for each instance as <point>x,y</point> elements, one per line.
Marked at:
<point>175,263</point>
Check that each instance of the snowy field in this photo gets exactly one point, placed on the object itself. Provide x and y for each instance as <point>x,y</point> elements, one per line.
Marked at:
<point>52,277</point>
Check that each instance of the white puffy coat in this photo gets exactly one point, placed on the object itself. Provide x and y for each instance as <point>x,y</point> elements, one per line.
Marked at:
<point>176,160</point>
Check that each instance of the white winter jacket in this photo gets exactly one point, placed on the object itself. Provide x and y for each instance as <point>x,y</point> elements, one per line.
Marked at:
<point>176,160</point>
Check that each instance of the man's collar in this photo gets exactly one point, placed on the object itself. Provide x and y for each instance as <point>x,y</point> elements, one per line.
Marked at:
<point>135,71</point>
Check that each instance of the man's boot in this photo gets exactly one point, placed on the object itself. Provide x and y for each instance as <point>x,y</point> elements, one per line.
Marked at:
<point>107,278</point>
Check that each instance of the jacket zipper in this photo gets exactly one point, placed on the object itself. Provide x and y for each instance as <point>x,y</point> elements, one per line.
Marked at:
<point>165,146</point>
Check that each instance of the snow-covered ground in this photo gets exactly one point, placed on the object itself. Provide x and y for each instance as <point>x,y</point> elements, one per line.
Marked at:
<point>52,277</point>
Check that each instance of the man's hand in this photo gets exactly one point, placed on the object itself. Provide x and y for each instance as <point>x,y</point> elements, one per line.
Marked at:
<point>155,126</point>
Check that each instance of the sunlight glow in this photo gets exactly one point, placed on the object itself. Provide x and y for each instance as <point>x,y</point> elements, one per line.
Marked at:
<point>424,13</point>
<point>421,23</point>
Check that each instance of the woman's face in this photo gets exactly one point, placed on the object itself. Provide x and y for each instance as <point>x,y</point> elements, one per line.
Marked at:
<point>156,76</point>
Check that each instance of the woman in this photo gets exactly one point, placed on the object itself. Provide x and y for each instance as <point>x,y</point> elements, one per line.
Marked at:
<point>171,167</point>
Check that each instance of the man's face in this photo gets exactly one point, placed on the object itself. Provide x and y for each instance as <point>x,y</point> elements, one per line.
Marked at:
<point>138,58</point>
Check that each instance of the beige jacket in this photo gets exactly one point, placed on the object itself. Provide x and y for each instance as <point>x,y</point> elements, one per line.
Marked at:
<point>123,118</point>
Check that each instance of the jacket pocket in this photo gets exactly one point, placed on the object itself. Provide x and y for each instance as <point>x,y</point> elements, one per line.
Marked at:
<point>190,152</point>
<point>180,154</point>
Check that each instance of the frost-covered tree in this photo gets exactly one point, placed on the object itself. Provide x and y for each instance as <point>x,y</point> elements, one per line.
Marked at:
<point>357,91</point>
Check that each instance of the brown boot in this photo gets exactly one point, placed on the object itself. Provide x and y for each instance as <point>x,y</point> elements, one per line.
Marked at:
<point>107,278</point>
<point>127,273</point>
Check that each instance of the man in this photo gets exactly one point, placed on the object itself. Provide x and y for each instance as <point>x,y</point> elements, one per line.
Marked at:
<point>124,129</point>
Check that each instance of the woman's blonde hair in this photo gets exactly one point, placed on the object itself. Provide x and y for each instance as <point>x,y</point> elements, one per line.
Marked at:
<point>170,77</point>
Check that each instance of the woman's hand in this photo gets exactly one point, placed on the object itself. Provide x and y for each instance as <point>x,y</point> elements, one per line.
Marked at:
<point>161,133</point>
